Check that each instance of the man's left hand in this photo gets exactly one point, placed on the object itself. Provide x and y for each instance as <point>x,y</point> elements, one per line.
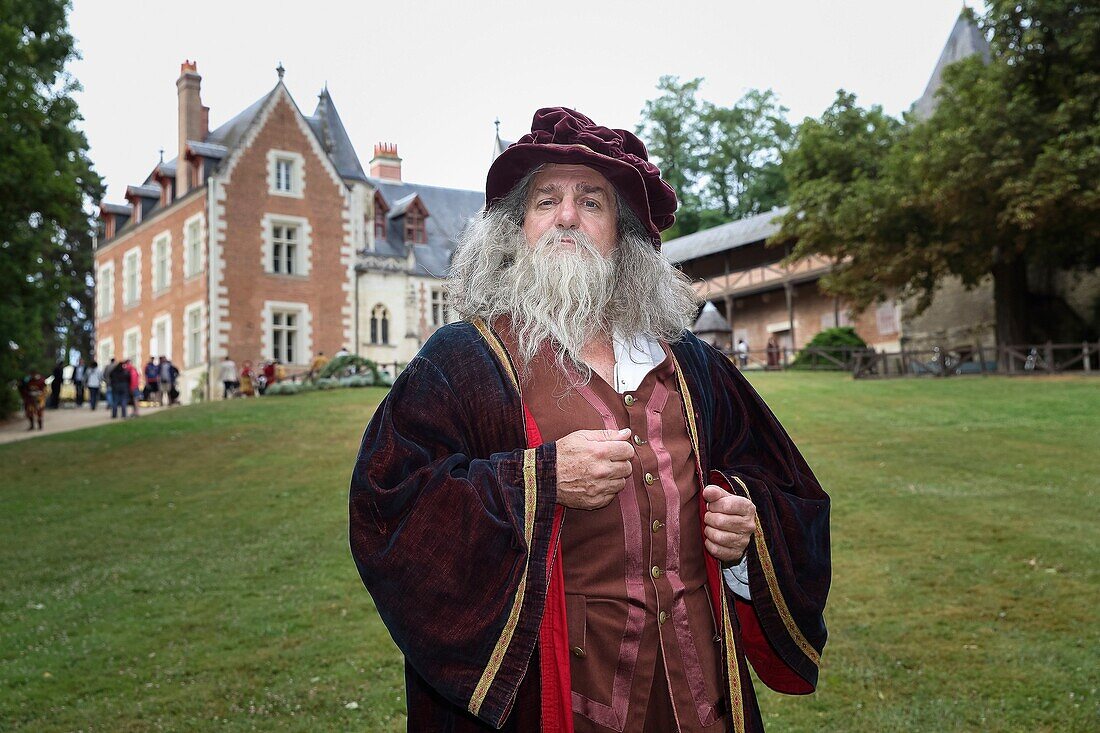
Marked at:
<point>728,523</point>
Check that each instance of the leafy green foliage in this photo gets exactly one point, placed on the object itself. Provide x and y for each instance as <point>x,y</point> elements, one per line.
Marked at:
<point>1004,176</point>
<point>343,366</point>
<point>46,187</point>
<point>838,342</point>
<point>723,162</point>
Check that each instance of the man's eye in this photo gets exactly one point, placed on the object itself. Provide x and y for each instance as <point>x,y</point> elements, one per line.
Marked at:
<point>591,204</point>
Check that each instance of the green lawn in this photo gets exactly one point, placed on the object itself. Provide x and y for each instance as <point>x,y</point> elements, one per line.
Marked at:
<point>190,570</point>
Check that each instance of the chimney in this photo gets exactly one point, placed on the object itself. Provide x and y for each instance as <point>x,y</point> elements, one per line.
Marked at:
<point>193,119</point>
<point>385,164</point>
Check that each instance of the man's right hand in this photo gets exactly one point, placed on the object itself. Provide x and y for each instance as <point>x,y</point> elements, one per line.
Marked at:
<point>593,466</point>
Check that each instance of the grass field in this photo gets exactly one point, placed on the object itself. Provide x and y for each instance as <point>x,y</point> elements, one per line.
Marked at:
<point>189,571</point>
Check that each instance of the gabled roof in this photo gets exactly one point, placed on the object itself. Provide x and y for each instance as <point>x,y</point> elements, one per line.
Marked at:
<point>725,236</point>
<point>966,40</point>
<point>231,132</point>
<point>329,128</point>
<point>402,205</point>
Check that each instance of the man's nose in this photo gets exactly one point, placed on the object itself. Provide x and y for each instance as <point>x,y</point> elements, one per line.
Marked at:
<point>567,215</point>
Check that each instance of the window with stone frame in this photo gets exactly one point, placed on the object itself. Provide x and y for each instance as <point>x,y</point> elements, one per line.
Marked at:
<point>440,307</point>
<point>131,346</point>
<point>161,343</point>
<point>105,351</point>
<point>192,247</point>
<point>131,277</point>
<point>284,249</point>
<point>284,170</point>
<point>105,290</point>
<point>380,325</point>
<point>162,262</point>
<point>192,323</point>
<point>284,336</point>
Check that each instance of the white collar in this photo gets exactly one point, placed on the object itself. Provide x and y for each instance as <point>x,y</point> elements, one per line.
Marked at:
<point>634,359</point>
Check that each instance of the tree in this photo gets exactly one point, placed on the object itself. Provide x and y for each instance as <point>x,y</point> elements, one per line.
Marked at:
<point>671,128</point>
<point>723,162</point>
<point>46,187</point>
<point>741,150</point>
<point>1004,176</point>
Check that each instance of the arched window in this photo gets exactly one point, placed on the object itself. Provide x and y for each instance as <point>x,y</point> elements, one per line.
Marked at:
<point>380,325</point>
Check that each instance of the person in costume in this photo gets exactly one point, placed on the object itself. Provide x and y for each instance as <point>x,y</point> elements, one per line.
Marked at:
<point>571,513</point>
<point>32,390</point>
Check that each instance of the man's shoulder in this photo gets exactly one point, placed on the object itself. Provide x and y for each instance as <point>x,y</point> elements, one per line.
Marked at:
<point>459,340</point>
<point>690,347</point>
<point>458,354</point>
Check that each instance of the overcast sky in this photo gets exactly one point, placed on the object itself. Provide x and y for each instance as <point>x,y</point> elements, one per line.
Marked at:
<point>432,76</point>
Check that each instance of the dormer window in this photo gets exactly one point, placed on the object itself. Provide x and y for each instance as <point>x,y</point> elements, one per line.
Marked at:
<point>381,209</point>
<point>412,210</point>
<point>379,224</point>
<point>415,233</point>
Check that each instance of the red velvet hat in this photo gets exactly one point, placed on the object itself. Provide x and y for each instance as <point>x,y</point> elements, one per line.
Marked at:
<point>560,135</point>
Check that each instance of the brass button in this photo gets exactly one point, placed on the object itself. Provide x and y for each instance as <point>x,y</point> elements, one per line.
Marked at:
<point>629,400</point>
<point>657,524</point>
<point>649,479</point>
<point>656,572</point>
<point>578,652</point>
<point>638,440</point>
<point>662,617</point>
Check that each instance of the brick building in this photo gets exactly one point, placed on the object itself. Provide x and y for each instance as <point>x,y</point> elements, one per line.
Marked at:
<point>253,243</point>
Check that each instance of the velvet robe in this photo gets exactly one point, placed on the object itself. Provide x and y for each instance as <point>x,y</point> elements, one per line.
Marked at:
<point>454,530</point>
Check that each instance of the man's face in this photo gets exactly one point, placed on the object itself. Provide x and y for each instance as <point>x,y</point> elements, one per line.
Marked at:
<point>572,198</point>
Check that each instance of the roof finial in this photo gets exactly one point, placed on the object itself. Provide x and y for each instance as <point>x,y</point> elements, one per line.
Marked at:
<point>280,70</point>
<point>496,122</point>
<point>161,156</point>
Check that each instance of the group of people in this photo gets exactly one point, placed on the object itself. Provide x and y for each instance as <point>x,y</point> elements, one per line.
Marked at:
<point>247,381</point>
<point>124,385</point>
<point>119,383</point>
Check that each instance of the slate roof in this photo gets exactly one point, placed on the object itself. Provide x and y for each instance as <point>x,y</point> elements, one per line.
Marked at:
<point>329,128</point>
<point>220,142</point>
<point>148,192</point>
<point>207,150</point>
<point>711,321</point>
<point>725,236</point>
<point>448,211</point>
<point>124,209</point>
<point>966,39</point>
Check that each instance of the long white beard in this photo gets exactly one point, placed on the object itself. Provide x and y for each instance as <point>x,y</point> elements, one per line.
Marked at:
<point>558,294</point>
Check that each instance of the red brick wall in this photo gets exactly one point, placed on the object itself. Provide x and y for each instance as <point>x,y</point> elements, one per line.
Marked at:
<point>813,312</point>
<point>247,200</point>
<point>172,300</point>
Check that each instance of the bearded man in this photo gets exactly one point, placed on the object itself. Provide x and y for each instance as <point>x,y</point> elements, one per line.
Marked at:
<point>571,514</point>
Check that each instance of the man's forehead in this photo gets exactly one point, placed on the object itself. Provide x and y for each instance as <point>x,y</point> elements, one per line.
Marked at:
<point>560,175</point>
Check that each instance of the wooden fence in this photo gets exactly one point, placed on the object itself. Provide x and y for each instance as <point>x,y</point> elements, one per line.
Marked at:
<point>1030,359</point>
<point>1048,358</point>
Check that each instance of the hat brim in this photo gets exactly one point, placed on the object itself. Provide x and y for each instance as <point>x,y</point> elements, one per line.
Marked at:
<point>518,160</point>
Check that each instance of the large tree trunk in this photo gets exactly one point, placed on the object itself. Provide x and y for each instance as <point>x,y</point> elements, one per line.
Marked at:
<point>1010,301</point>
